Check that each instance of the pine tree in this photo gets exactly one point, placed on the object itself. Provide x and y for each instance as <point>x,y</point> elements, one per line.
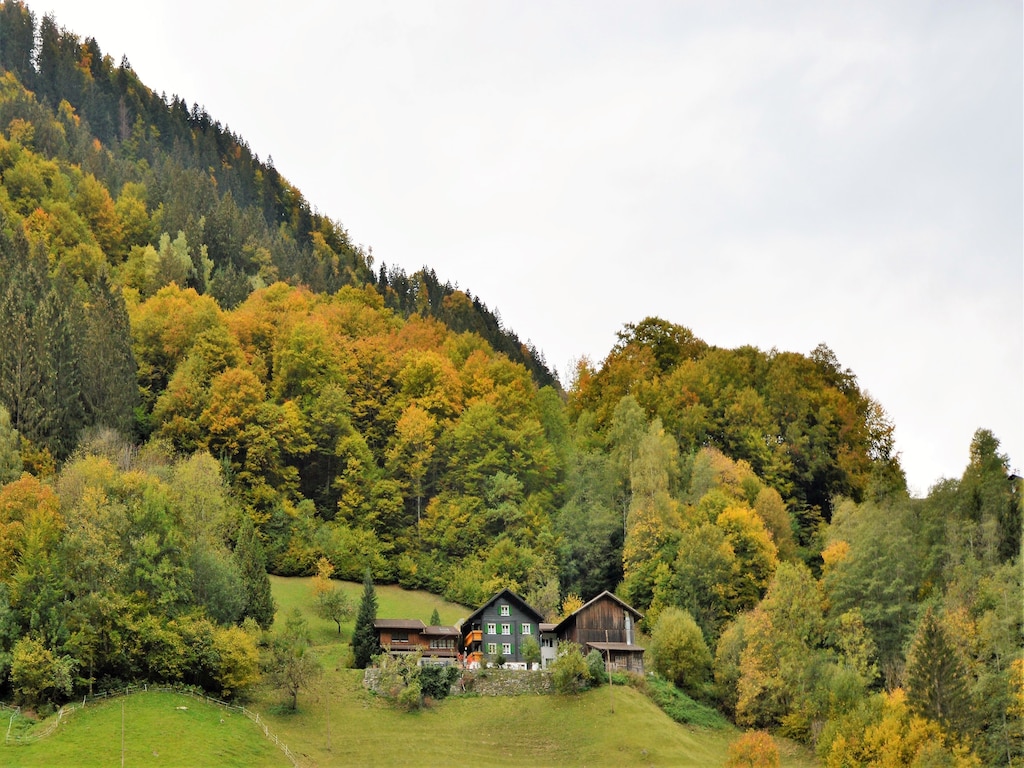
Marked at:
<point>364,639</point>
<point>936,681</point>
<point>252,564</point>
<point>435,619</point>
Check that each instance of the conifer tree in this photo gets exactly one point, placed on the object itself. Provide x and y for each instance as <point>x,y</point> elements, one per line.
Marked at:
<point>252,564</point>
<point>936,681</point>
<point>435,619</point>
<point>364,640</point>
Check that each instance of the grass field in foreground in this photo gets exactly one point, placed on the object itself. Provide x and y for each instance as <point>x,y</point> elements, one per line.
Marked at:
<point>156,733</point>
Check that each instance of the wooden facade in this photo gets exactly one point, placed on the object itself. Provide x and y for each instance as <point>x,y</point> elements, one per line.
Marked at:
<point>401,636</point>
<point>607,624</point>
<point>499,628</point>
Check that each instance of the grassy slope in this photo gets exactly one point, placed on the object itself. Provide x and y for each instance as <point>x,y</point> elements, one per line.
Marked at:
<point>156,733</point>
<point>525,730</point>
<point>534,730</point>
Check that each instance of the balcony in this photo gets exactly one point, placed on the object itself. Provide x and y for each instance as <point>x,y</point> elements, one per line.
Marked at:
<point>476,636</point>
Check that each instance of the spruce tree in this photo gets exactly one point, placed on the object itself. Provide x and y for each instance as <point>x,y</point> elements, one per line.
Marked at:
<point>252,564</point>
<point>435,619</point>
<point>364,639</point>
<point>936,680</point>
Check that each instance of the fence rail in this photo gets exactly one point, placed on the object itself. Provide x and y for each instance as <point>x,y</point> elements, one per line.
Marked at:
<point>30,738</point>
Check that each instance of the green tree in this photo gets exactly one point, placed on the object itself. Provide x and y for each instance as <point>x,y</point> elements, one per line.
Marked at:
<point>37,675</point>
<point>364,639</point>
<point>937,686</point>
<point>529,649</point>
<point>435,618</point>
<point>252,566</point>
<point>569,672</point>
<point>10,449</point>
<point>678,650</point>
<point>293,664</point>
<point>331,603</point>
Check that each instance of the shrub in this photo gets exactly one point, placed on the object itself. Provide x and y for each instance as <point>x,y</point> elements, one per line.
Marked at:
<point>595,667</point>
<point>436,682</point>
<point>754,749</point>
<point>678,650</point>
<point>569,672</point>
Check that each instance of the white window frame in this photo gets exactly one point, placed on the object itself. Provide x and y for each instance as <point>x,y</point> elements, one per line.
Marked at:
<point>526,628</point>
<point>503,610</point>
<point>492,628</point>
<point>506,629</point>
<point>492,648</point>
<point>506,649</point>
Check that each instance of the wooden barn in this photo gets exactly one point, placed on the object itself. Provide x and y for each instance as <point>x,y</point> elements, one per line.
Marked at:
<point>607,624</point>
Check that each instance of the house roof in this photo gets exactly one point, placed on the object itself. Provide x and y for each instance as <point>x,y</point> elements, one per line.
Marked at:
<point>398,624</point>
<point>546,627</point>
<point>616,647</point>
<point>441,631</point>
<point>626,606</point>
<point>509,596</point>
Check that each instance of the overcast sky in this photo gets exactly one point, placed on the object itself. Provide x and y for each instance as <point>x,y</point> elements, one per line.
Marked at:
<point>776,174</point>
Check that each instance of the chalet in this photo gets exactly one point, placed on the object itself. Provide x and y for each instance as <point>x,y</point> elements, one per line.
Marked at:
<point>439,645</point>
<point>607,624</point>
<point>498,628</point>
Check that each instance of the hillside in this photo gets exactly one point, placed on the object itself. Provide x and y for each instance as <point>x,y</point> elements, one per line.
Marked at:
<point>204,381</point>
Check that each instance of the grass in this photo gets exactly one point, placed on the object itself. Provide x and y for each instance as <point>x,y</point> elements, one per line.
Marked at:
<point>156,733</point>
<point>339,723</point>
<point>681,707</point>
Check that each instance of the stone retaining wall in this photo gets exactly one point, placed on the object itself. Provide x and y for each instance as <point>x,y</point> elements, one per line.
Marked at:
<point>487,682</point>
<point>507,682</point>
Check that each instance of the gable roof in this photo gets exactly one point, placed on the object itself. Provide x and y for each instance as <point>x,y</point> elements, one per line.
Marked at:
<point>625,606</point>
<point>509,596</point>
<point>440,631</point>
<point>398,624</point>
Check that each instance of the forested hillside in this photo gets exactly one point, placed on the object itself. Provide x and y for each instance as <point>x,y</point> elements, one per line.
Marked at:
<point>202,378</point>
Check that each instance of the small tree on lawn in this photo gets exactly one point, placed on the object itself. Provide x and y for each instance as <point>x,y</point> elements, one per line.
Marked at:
<point>293,664</point>
<point>331,603</point>
<point>364,639</point>
<point>435,619</point>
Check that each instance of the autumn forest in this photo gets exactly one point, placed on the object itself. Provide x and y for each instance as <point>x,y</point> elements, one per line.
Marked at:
<point>203,380</point>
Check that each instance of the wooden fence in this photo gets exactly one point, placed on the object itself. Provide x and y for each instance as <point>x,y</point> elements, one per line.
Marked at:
<point>28,738</point>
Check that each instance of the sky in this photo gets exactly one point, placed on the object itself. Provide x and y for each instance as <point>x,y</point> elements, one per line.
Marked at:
<point>775,174</point>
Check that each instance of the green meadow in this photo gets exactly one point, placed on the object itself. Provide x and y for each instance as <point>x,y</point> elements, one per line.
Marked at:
<point>339,723</point>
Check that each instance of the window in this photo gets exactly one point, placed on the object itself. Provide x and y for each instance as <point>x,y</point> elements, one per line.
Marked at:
<point>399,637</point>
<point>506,649</point>
<point>547,642</point>
<point>503,610</point>
<point>492,628</point>
<point>506,629</point>
<point>442,642</point>
<point>492,648</point>
<point>527,629</point>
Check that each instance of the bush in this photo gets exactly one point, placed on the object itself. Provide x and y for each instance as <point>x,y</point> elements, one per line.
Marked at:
<point>754,749</point>
<point>569,672</point>
<point>595,667</point>
<point>678,650</point>
<point>436,682</point>
<point>680,707</point>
